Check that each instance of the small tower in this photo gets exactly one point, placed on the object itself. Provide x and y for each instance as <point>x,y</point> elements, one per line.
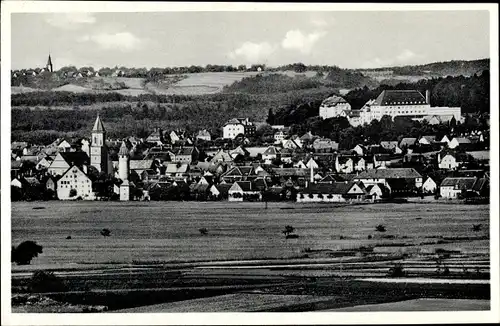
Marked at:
<point>98,149</point>
<point>123,171</point>
<point>49,64</point>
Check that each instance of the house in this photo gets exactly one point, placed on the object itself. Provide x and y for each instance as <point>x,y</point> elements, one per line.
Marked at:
<point>176,170</point>
<point>237,173</point>
<point>44,163</point>
<point>481,187</point>
<point>438,119</point>
<point>51,183</point>
<point>243,190</point>
<point>429,186</point>
<point>293,143</point>
<point>334,106</point>
<point>445,140</point>
<point>391,146</point>
<point>308,138</point>
<point>64,146</point>
<point>344,164</point>
<point>377,191</point>
<point>360,150</point>
<point>156,137</point>
<point>280,135</point>
<point>374,176</point>
<point>456,187</point>
<point>149,175</point>
<point>17,182</point>
<point>221,191</point>
<point>204,135</point>
<point>386,160</point>
<point>270,154</point>
<point>185,155</point>
<point>237,126</point>
<point>459,142</point>
<point>73,184</point>
<point>174,137</point>
<point>452,161</point>
<point>139,166</point>
<point>256,152</point>
<point>332,192</point>
<point>407,142</point>
<point>64,160</point>
<point>222,156</point>
<point>427,140</point>
<point>482,157</point>
<point>325,145</point>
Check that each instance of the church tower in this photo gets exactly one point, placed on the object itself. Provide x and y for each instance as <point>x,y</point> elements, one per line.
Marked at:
<point>98,149</point>
<point>123,171</point>
<point>49,64</point>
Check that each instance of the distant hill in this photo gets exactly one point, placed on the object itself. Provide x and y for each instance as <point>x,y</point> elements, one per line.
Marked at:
<point>436,69</point>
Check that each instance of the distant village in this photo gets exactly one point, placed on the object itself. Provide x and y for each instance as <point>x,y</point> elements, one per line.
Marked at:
<point>170,165</point>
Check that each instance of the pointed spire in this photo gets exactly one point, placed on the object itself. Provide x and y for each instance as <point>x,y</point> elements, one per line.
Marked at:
<point>123,149</point>
<point>98,126</point>
<point>49,61</point>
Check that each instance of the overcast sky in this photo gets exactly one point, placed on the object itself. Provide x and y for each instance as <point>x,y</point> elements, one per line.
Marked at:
<point>162,39</point>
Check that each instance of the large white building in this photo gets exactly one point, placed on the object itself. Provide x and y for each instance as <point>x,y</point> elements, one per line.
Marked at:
<point>236,126</point>
<point>398,103</point>
<point>334,106</point>
<point>74,184</point>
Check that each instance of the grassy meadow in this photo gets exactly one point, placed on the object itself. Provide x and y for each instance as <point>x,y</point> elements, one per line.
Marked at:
<point>169,231</point>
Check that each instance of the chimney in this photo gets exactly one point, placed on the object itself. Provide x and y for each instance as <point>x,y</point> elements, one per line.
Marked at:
<point>428,96</point>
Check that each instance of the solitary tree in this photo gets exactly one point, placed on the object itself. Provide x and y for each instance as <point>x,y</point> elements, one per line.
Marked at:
<point>25,252</point>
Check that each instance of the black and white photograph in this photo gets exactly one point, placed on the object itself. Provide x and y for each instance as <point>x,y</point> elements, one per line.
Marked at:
<point>326,163</point>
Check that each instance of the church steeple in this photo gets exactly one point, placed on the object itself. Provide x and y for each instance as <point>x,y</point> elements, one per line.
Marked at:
<point>98,148</point>
<point>49,64</point>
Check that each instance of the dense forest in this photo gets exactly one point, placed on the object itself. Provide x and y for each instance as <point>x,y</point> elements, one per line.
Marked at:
<point>273,83</point>
<point>448,68</point>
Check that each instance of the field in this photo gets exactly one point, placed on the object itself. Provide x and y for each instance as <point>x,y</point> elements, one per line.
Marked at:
<point>156,260</point>
<point>169,231</point>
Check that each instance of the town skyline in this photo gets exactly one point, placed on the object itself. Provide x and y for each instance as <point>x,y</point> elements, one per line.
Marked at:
<point>146,39</point>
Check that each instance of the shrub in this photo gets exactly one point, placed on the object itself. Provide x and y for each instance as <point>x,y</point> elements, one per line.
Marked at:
<point>330,196</point>
<point>105,232</point>
<point>396,271</point>
<point>380,228</point>
<point>72,193</point>
<point>288,230</point>
<point>311,196</point>
<point>301,196</point>
<point>476,227</point>
<point>25,252</point>
<point>203,231</point>
<point>42,281</point>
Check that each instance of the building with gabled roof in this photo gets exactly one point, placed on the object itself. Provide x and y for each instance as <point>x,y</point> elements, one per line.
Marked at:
<point>64,160</point>
<point>242,191</point>
<point>383,176</point>
<point>332,192</point>
<point>455,187</point>
<point>333,106</point>
<point>73,184</point>
<point>237,126</point>
<point>406,103</point>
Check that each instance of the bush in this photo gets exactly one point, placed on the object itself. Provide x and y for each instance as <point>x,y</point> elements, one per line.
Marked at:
<point>288,230</point>
<point>380,228</point>
<point>203,231</point>
<point>396,271</point>
<point>25,252</point>
<point>72,193</point>
<point>42,281</point>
